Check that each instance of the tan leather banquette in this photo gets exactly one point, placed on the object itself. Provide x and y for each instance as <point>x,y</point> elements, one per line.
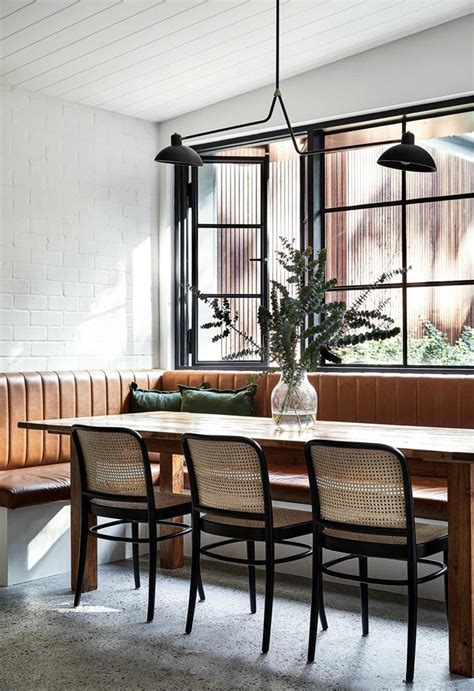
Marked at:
<point>34,466</point>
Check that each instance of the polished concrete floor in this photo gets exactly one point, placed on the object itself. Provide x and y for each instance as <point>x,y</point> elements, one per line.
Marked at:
<point>106,644</point>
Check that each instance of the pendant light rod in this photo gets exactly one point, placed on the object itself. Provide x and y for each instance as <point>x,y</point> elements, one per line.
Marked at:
<point>277,46</point>
<point>405,156</point>
<point>235,127</point>
<point>277,96</point>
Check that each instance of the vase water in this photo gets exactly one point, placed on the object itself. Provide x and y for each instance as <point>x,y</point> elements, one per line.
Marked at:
<point>294,403</point>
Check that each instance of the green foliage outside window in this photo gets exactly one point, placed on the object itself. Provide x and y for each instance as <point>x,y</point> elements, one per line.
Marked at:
<point>433,348</point>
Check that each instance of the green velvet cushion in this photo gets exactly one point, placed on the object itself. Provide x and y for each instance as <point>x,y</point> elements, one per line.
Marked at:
<point>151,400</point>
<point>220,402</point>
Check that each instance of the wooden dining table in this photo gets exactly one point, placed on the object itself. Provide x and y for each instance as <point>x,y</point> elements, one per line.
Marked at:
<point>427,445</point>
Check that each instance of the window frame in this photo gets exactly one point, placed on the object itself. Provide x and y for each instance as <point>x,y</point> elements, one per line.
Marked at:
<point>313,213</point>
<point>261,228</point>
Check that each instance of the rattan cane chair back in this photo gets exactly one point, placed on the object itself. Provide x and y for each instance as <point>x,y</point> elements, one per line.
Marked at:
<point>228,474</point>
<point>113,462</point>
<point>363,486</point>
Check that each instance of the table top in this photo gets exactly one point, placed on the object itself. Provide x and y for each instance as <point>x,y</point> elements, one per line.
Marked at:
<point>430,443</point>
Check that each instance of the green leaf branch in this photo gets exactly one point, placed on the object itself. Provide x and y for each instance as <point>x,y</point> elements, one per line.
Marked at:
<point>300,326</point>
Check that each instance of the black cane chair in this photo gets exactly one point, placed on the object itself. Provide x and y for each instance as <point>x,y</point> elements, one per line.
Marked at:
<point>231,498</point>
<point>115,480</point>
<point>363,506</point>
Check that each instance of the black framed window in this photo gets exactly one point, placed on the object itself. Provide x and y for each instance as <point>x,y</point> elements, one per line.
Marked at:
<point>231,212</point>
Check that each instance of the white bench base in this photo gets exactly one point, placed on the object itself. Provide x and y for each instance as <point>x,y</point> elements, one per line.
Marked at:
<point>35,542</point>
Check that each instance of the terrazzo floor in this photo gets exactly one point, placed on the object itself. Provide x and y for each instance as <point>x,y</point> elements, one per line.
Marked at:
<point>106,644</point>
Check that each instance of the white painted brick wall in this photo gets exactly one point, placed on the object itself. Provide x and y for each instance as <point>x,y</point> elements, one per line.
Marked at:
<point>78,236</point>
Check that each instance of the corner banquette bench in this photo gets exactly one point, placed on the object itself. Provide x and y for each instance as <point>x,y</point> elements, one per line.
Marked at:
<point>34,466</point>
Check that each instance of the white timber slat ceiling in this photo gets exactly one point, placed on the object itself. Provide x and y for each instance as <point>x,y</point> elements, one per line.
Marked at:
<point>156,59</point>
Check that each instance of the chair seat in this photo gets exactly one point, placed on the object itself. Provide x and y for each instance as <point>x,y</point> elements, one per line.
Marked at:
<point>425,532</point>
<point>163,500</point>
<point>283,519</point>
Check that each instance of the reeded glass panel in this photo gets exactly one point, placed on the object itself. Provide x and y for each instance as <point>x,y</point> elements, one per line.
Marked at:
<point>440,325</point>
<point>388,352</point>
<point>353,177</point>
<point>440,241</point>
<point>212,352</point>
<point>450,141</point>
<point>225,260</point>
<point>229,193</point>
<point>284,200</point>
<point>363,244</point>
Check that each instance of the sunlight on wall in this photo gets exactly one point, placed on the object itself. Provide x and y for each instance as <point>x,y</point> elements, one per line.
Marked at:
<point>120,322</point>
<point>141,291</point>
<point>39,546</point>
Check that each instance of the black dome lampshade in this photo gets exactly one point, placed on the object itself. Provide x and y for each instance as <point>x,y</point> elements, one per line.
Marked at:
<point>408,156</point>
<point>179,154</point>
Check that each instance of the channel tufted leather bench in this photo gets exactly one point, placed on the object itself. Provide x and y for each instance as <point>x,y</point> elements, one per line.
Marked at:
<point>34,466</point>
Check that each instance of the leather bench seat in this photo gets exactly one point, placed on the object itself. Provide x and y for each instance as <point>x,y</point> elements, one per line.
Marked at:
<point>42,484</point>
<point>287,484</point>
<point>431,497</point>
<point>38,484</point>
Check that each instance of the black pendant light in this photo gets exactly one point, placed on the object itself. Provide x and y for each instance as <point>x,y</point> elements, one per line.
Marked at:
<point>405,156</point>
<point>179,154</point>
<point>408,156</point>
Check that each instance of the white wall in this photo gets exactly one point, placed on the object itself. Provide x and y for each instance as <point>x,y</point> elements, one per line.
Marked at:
<point>78,236</point>
<point>431,65</point>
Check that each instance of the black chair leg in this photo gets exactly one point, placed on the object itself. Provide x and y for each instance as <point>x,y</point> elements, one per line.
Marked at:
<point>82,557</point>
<point>269,587</point>
<point>202,595</point>
<point>445,577</point>
<point>251,571</point>
<point>195,574</point>
<point>316,592</point>
<point>364,596</point>
<point>151,572</point>
<point>412,620</point>
<point>135,555</point>
<point>322,609</point>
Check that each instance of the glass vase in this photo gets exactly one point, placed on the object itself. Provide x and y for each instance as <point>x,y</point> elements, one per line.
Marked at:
<point>294,403</point>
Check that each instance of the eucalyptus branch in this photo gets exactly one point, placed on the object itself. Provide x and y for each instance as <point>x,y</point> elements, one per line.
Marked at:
<point>284,322</point>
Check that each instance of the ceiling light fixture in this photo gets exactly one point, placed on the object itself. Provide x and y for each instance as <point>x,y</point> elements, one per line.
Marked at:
<point>405,156</point>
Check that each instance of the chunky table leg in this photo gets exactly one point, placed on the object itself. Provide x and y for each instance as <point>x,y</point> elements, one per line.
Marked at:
<point>461,568</point>
<point>90,573</point>
<point>171,480</point>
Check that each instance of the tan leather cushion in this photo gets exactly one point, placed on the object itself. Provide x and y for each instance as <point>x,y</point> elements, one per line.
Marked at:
<point>42,484</point>
<point>431,497</point>
<point>36,485</point>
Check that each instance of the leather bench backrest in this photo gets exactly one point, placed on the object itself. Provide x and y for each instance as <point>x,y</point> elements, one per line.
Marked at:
<point>42,395</point>
<point>397,399</point>
<point>403,399</point>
